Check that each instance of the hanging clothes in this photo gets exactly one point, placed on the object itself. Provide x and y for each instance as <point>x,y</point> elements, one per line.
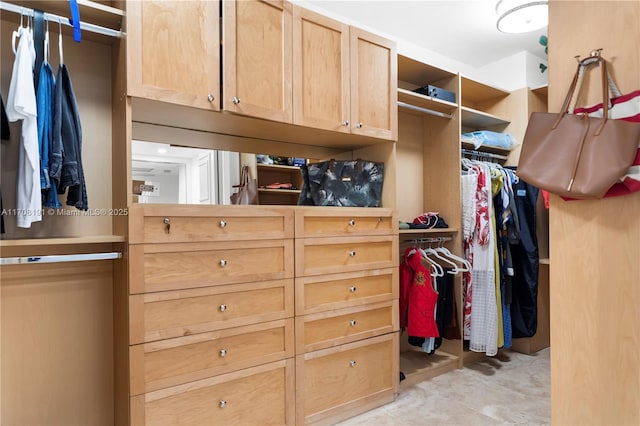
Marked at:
<point>5,135</point>
<point>21,105</point>
<point>524,308</point>
<point>45,102</point>
<point>67,168</point>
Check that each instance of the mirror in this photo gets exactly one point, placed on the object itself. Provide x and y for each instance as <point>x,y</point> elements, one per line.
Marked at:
<point>167,174</point>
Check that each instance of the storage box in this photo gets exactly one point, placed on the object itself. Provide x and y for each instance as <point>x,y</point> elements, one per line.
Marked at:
<point>436,92</point>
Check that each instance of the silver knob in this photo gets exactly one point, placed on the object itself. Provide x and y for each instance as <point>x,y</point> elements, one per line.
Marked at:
<point>352,222</point>
<point>380,219</point>
<point>211,98</point>
<point>352,323</point>
<point>223,263</point>
<point>352,363</point>
<point>167,223</point>
<point>345,123</point>
<point>223,352</point>
<point>235,100</point>
<point>222,403</point>
<point>359,125</point>
<point>352,289</point>
<point>223,224</point>
<point>352,253</point>
<point>223,307</point>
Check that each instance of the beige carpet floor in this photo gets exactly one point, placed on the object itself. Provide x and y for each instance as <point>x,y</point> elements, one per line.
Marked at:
<point>508,389</point>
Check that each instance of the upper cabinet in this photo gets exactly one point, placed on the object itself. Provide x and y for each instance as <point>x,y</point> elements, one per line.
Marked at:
<point>374,82</point>
<point>257,59</point>
<point>334,87</point>
<point>483,107</point>
<point>173,52</point>
<point>321,76</point>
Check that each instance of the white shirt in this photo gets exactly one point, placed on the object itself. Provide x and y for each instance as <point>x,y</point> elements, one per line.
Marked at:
<point>21,105</point>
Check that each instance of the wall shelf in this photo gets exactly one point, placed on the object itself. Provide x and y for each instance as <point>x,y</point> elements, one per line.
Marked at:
<point>428,231</point>
<point>94,239</point>
<point>426,102</point>
<point>485,148</point>
<point>472,118</point>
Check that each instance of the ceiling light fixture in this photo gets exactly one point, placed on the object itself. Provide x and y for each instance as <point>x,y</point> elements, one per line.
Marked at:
<point>521,16</point>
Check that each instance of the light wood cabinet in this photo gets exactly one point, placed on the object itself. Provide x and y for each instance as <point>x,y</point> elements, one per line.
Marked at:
<point>173,52</point>
<point>346,311</point>
<point>257,59</point>
<point>333,87</point>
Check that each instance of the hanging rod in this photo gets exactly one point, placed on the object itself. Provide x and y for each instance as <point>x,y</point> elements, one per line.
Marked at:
<point>484,154</point>
<point>60,258</point>
<point>9,7</point>
<point>429,240</point>
<point>424,110</point>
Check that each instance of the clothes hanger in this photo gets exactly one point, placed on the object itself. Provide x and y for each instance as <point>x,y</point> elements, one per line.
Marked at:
<point>466,264</point>
<point>60,50</point>
<point>435,253</point>
<point>437,269</point>
<point>18,33</point>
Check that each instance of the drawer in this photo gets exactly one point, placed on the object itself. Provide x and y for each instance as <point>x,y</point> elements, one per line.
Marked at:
<point>147,223</point>
<point>318,256</point>
<point>332,328</point>
<point>159,267</point>
<point>335,291</point>
<point>344,221</point>
<point>164,315</point>
<point>262,395</point>
<point>171,362</point>
<point>347,378</point>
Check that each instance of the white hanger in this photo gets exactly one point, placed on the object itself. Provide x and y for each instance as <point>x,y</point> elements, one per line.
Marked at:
<point>60,51</point>
<point>444,259</point>
<point>18,33</point>
<point>437,269</point>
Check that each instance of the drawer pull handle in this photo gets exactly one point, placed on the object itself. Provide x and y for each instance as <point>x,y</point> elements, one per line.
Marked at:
<point>352,323</point>
<point>223,263</point>
<point>380,219</point>
<point>345,123</point>
<point>352,363</point>
<point>352,289</point>
<point>359,125</point>
<point>223,353</point>
<point>167,223</point>
<point>235,100</point>
<point>352,222</point>
<point>222,403</point>
<point>223,307</point>
<point>352,253</point>
<point>223,224</point>
<point>211,98</point>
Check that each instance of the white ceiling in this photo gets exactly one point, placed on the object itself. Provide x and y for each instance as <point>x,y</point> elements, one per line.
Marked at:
<point>464,30</point>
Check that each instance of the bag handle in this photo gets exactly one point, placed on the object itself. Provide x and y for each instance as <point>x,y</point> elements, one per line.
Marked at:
<point>574,84</point>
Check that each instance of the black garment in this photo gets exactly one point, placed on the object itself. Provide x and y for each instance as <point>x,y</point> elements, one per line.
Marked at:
<point>444,311</point>
<point>524,311</point>
<point>67,133</point>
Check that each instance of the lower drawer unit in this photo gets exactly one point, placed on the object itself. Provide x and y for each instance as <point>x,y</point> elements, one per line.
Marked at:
<point>164,315</point>
<point>317,256</point>
<point>323,292</point>
<point>335,327</point>
<point>339,382</point>
<point>171,362</point>
<point>160,267</point>
<point>344,221</point>
<point>262,395</point>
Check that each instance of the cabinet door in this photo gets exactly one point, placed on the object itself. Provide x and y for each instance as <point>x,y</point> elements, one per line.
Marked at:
<point>374,82</point>
<point>257,59</point>
<point>320,71</point>
<point>173,52</point>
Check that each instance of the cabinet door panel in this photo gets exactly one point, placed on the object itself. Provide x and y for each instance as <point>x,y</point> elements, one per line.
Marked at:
<point>374,95</point>
<point>257,59</point>
<point>173,52</point>
<point>320,71</point>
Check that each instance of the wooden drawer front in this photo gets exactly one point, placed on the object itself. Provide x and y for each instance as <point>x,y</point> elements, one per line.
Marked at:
<point>182,313</point>
<point>316,256</point>
<point>318,331</point>
<point>260,395</point>
<point>208,223</point>
<point>158,267</point>
<point>319,293</point>
<point>172,362</point>
<point>341,221</point>
<point>334,377</point>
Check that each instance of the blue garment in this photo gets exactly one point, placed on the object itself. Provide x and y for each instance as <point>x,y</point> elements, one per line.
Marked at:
<point>44,99</point>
